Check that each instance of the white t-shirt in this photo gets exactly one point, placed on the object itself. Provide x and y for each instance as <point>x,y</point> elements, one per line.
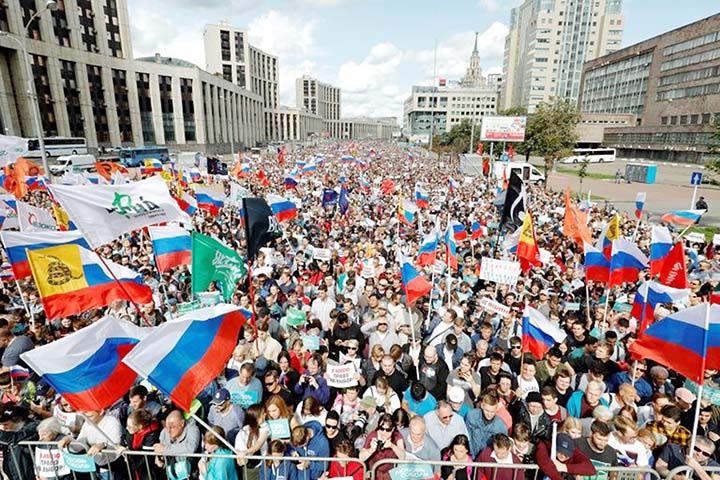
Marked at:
<point>241,440</point>
<point>91,434</point>
<point>630,453</point>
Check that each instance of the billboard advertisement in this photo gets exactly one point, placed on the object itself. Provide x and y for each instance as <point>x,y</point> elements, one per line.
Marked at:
<point>503,129</point>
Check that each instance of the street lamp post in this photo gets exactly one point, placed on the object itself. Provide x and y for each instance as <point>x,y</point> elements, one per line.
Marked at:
<point>31,91</point>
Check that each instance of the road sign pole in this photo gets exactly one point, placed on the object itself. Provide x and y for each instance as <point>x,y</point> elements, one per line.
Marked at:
<point>692,204</point>
<point>695,181</point>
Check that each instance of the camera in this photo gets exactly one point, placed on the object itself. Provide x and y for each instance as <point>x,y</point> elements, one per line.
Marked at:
<point>358,426</point>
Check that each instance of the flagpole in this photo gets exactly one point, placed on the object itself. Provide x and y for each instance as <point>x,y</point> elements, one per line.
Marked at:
<point>122,287</point>
<point>161,282</point>
<point>25,305</point>
<point>412,330</point>
<point>605,310</point>
<point>700,383</point>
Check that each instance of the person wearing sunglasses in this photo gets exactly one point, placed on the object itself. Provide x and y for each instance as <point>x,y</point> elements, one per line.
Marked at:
<point>674,455</point>
<point>385,442</point>
<point>333,430</point>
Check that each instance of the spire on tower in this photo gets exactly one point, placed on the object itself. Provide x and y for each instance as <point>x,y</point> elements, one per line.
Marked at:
<point>475,50</point>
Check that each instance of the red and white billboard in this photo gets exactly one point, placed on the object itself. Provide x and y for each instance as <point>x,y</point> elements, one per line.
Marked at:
<point>503,129</point>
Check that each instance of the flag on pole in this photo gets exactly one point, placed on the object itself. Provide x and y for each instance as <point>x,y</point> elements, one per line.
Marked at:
<point>34,219</point>
<point>422,197</point>
<point>459,231</point>
<point>209,199</point>
<point>626,262</point>
<point>597,266</point>
<point>684,218</point>
<point>609,234</point>
<point>212,261</point>
<point>104,212</point>
<point>514,206</point>
<point>71,279</point>
<point>182,357</point>
<point>674,269</point>
<point>639,204</point>
<point>428,249</point>
<point>86,367</point>
<point>17,243</point>
<point>527,250</point>
<point>282,208</point>
<point>648,296</point>
<point>407,211</point>
<point>172,247</point>
<point>660,245</point>
<point>187,203</point>
<point>451,249</point>
<point>538,333</point>
<point>343,200</point>
<point>261,226</point>
<point>106,169</point>
<point>414,284</point>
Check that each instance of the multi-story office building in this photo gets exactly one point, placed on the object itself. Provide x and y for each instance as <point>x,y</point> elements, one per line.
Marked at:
<point>89,86</point>
<point>229,53</point>
<point>670,82</point>
<point>317,97</point>
<point>363,128</point>
<point>295,124</point>
<point>548,42</point>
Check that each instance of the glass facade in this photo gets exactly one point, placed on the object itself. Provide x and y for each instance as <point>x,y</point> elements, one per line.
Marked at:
<point>97,98</point>
<point>112,26</point>
<point>122,104</point>
<point>72,99</point>
<point>60,24</point>
<point>619,87</point>
<point>166,107</point>
<point>88,34</point>
<point>142,81</point>
<point>44,97</point>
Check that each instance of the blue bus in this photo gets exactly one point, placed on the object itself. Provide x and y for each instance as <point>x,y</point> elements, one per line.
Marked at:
<point>135,157</point>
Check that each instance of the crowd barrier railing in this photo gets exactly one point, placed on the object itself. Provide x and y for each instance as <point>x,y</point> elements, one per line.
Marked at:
<point>684,470</point>
<point>48,462</point>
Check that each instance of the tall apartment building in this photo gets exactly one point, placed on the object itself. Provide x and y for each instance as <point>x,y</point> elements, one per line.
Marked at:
<point>89,86</point>
<point>319,98</point>
<point>228,53</point>
<point>548,43</point>
<point>670,83</point>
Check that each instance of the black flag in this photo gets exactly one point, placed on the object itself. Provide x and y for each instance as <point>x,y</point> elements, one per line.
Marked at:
<point>260,225</point>
<point>514,207</point>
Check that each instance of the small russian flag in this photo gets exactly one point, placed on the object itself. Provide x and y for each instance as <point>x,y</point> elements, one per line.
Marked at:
<point>477,230</point>
<point>422,198</point>
<point>347,159</point>
<point>459,231</point>
<point>208,199</point>
<point>290,183</point>
<point>187,203</point>
<point>453,184</point>
<point>639,204</point>
<point>282,208</point>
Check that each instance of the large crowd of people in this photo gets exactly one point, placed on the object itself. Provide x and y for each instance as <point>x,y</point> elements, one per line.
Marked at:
<point>444,379</point>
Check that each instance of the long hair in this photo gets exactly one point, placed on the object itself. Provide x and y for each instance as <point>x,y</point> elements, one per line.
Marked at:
<point>278,401</point>
<point>253,417</point>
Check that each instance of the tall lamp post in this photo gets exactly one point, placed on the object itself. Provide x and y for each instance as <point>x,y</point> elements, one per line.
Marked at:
<point>31,92</point>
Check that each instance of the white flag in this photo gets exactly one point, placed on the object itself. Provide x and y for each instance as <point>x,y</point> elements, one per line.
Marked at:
<point>34,219</point>
<point>104,212</point>
<point>11,148</point>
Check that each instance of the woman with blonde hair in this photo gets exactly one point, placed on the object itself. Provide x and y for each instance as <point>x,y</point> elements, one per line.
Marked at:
<point>385,397</point>
<point>572,426</point>
<point>372,365</point>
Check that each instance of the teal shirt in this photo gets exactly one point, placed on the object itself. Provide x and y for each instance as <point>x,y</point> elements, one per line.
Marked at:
<point>221,468</point>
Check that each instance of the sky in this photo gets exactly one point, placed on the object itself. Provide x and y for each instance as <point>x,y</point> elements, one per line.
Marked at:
<point>375,50</point>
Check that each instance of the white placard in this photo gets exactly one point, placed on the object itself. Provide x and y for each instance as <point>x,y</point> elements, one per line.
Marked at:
<point>49,463</point>
<point>716,239</point>
<point>323,254</point>
<point>695,237</point>
<point>492,306</point>
<point>499,271</point>
<point>341,376</point>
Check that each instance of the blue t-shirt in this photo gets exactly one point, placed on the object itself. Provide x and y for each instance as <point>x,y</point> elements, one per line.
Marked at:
<point>427,404</point>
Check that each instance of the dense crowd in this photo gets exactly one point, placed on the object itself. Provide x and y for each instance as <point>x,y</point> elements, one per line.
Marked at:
<point>443,379</point>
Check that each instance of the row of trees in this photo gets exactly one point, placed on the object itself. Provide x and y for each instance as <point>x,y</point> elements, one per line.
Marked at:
<point>550,133</point>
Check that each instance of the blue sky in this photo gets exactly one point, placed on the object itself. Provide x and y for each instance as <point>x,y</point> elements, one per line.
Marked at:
<point>373,49</point>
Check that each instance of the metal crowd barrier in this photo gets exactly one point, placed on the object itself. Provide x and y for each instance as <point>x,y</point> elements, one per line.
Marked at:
<point>148,460</point>
<point>684,470</point>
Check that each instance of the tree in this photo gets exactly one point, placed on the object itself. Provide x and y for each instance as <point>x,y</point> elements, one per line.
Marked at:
<point>582,172</point>
<point>550,131</point>
<point>714,163</point>
<point>457,140</point>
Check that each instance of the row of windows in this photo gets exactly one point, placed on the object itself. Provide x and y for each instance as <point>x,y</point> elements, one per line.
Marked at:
<point>691,119</point>
<point>670,138</point>
<point>692,43</point>
<point>707,89</point>
<point>691,60</point>
<point>689,76</point>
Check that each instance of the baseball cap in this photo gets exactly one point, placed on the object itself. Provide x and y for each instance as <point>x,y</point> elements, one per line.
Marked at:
<point>533,397</point>
<point>685,395</point>
<point>456,394</point>
<point>368,402</point>
<point>220,396</point>
<point>565,444</point>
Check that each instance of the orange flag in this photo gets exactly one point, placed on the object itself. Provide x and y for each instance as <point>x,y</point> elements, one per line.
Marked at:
<point>575,223</point>
<point>528,251</point>
<point>106,169</point>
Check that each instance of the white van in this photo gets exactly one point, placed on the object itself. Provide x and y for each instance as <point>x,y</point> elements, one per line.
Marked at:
<point>72,163</point>
<point>528,172</point>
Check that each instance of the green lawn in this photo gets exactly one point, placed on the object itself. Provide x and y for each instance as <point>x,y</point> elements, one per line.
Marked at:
<point>561,168</point>
<point>708,231</point>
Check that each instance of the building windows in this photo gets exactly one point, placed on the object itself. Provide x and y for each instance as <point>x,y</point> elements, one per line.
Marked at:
<point>166,107</point>
<point>122,104</point>
<point>663,120</point>
<point>28,10</point>
<point>72,98</point>
<point>689,76</point>
<point>60,25</point>
<point>112,25</point>
<point>188,109</point>
<point>699,90</point>
<point>97,98</point>
<point>227,72</point>
<point>692,43</point>
<point>705,118</point>
<point>690,60</point>
<point>225,45</point>
<point>241,76</point>
<point>44,98</point>
<point>88,34</point>
<point>673,120</point>
<point>142,81</point>
<point>239,47</point>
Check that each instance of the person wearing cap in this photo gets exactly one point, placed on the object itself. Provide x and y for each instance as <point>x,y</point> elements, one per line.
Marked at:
<point>568,461</point>
<point>15,427</point>
<point>673,456</point>
<point>466,378</point>
<point>223,413</point>
<point>685,400</point>
<point>456,398</point>
<point>531,413</point>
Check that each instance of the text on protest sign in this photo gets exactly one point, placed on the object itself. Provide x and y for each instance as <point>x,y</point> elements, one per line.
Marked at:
<point>492,306</point>
<point>500,271</point>
<point>341,376</point>
<point>49,463</point>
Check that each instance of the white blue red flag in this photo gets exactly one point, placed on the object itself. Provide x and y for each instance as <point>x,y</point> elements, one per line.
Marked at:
<point>538,333</point>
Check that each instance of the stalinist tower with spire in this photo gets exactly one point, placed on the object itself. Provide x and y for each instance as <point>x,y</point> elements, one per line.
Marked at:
<point>473,77</point>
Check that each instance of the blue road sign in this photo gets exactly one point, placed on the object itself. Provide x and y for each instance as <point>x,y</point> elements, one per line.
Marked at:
<point>696,178</point>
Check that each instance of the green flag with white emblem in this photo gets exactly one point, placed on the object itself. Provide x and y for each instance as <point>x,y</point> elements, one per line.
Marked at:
<point>213,261</point>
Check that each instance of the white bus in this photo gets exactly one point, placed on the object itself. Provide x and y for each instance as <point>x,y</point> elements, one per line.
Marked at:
<point>593,155</point>
<point>57,146</point>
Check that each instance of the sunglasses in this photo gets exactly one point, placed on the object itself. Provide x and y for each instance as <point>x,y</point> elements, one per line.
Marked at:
<point>702,452</point>
<point>515,347</point>
<point>331,427</point>
<point>386,429</point>
<point>352,348</point>
<point>269,384</point>
<point>382,324</point>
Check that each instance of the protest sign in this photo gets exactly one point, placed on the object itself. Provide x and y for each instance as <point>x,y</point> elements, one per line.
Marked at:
<point>187,307</point>
<point>78,463</point>
<point>341,376</point>
<point>571,306</point>
<point>695,237</point>
<point>279,428</point>
<point>49,463</point>
<point>412,472</point>
<point>244,399</point>
<point>323,254</point>
<point>716,239</point>
<point>499,271</point>
<point>208,299</point>
<point>492,306</point>
<point>311,342</point>
<point>622,307</point>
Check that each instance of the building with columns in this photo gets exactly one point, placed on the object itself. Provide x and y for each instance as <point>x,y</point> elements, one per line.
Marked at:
<point>89,86</point>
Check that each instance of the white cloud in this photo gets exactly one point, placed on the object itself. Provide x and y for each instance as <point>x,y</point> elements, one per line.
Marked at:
<point>155,32</point>
<point>324,3</point>
<point>283,35</point>
<point>490,5</point>
<point>373,71</point>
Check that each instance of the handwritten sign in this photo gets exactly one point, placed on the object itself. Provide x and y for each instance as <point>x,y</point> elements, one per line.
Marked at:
<point>49,463</point>
<point>78,463</point>
<point>244,399</point>
<point>341,376</point>
<point>492,306</point>
<point>279,428</point>
<point>411,472</point>
<point>311,342</point>
<point>323,254</point>
<point>499,271</point>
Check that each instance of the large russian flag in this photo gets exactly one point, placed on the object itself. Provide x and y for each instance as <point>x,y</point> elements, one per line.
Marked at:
<point>72,279</point>
<point>414,284</point>
<point>687,341</point>
<point>16,244</point>
<point>683,218</point>
<point>538,333</point>
<point>187,203</point>
<point>428,249</point>
<point>183,356</point>
<point>422,197</point>
<point>459,231</point>
<point>85,367</point>
<point>209,199</point>
<point>626,262</point>
<point>172,247</point>
<point>282,208</point>
<point>648,296</point>
<point>660,245</point>
<point>597,266</point>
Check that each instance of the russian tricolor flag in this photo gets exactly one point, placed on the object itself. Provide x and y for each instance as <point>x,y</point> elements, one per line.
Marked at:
<point>459,231</point>
<point>452,184</point>
<point>660,245</point>
<point>209,199</point>
<point>648,296</point>
<point>347,159</point>
<point>282,208</point>
<point>414,284</point>
<point>428,249</point>
<point>626,262</point>
<point>597,266</point>
<point>17,244</point>
<point>152,165</point>
<point>477,230</point>
<point>187,203</point>
<point>244,169</point>
<point>451,248</point>
<point>639,204</point>
<point>422,198</point>
<point>195,175</point>
<point>683,218</point>
<point>172,247</point>
<point>407,212</point>
<point>182,357</point>
<point>290,183</point>
<point>538,333</point>
<point>85,367</point>
<point>309,168</point>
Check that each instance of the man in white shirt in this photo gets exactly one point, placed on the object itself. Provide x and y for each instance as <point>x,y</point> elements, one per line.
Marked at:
<point>322,306</point>
<point>100,432</point>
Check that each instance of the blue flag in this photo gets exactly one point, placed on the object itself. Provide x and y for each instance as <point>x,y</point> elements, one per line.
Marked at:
<point>329,197</point>
<point>343,200</point>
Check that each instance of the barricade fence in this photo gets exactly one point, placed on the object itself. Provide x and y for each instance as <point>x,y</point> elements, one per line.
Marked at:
<point>46,461</point>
